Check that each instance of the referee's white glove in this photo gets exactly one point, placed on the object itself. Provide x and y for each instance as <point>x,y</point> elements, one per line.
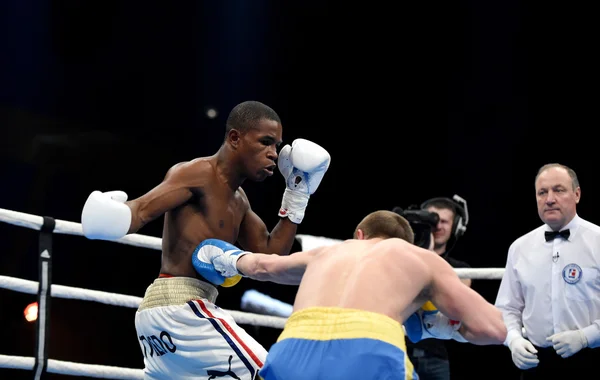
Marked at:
<point>524,355</point>
<point>567,343</point>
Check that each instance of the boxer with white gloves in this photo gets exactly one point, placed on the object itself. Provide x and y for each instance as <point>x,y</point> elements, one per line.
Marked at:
<point>303,165</point>
<point>202,199</point>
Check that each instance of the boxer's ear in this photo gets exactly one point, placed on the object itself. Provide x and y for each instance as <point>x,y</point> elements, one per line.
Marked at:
<point>233,137</point>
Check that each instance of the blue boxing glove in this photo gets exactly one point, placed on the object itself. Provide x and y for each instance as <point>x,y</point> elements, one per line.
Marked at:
<point>215,260</point>
<point>428,322</point>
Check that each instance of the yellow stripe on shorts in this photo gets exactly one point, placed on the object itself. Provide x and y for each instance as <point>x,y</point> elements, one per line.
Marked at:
<point>330,323</point>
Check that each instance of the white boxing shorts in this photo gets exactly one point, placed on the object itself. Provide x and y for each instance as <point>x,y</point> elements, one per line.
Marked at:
<point>184,335</point>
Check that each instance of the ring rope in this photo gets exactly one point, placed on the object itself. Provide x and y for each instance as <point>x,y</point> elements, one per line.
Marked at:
<point>70,368</point>
<point>307,241</point>
<point>64,227</point>
<point>62,291</point>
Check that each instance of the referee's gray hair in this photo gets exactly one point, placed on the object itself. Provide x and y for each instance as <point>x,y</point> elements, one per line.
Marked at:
<point>571,172</point>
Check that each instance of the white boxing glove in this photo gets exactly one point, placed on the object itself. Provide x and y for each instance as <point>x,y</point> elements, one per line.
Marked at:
<point>105,216</point>
<point>303,166</point>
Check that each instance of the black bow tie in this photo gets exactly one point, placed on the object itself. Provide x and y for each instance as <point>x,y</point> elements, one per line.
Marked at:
<point>550,235</point>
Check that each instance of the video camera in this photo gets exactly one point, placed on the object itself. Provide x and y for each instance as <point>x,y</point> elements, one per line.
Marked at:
<point>421,221</point>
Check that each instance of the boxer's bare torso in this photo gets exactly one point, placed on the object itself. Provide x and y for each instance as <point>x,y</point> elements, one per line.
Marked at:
<point>214,210</point>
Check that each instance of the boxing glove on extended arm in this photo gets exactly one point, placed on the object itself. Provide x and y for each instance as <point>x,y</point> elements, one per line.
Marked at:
<point>303,165</point>
<point>215,260</point>
<point>105,216</point>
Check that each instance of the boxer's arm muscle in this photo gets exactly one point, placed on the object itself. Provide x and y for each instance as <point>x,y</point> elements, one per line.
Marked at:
<point>173,191</point>
<point>286,270</point>
<point>254,235</point>
<point>481,322</point>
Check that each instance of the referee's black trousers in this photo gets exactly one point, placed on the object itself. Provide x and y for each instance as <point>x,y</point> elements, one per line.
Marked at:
<point>584,364</point>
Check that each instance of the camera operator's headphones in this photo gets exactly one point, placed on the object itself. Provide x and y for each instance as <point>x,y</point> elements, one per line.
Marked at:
<point>458,205</point>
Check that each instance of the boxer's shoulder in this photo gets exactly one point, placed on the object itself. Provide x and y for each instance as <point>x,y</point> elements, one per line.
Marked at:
<point>242,194</point>
<point>191,173</point>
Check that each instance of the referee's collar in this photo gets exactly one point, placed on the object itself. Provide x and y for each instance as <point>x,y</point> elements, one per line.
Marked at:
<point>571,226</point>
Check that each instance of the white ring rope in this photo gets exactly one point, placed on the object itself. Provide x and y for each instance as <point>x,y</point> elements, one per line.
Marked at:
<point>61,291</point>
<point>256,302</point>
<point>74,369</point>
<point>64,227</point>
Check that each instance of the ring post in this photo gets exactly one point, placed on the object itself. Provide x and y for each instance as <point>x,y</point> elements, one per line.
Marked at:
<point>45,282</point>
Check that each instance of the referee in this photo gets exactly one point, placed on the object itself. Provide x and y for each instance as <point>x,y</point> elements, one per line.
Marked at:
<point>551,285</point>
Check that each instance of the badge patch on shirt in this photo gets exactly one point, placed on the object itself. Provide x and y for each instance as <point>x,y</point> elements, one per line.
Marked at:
<point>572,273</point>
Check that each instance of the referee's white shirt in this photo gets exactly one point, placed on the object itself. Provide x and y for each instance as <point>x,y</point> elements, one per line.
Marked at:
<point>550,287</point>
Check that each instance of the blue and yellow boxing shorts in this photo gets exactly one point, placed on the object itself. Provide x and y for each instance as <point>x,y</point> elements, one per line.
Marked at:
<point>339,344</point>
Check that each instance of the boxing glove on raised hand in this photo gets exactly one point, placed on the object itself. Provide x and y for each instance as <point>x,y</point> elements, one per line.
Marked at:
<point>303,165</point>
<point>105,216</point>
<point>216,260</point>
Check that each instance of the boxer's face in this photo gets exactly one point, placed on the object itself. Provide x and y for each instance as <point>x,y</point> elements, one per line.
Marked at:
<point>258,149</point>
<point>556,198</point>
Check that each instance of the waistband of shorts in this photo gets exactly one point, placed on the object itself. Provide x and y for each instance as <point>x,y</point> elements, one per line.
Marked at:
<point>169,291</point>
<point>331,323</point>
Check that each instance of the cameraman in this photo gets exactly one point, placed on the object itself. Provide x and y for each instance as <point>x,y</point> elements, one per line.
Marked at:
<point>447,219</point>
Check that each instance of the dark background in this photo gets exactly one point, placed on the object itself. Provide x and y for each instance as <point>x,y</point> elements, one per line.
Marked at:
<point>412,100</point>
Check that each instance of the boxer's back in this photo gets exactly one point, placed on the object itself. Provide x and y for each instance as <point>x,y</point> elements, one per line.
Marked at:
<point>384,276</point>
